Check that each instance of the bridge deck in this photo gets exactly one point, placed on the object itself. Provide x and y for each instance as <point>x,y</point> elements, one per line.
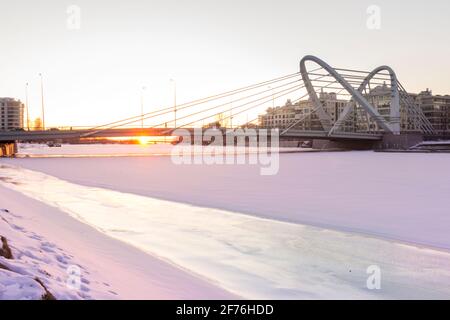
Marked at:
<point>135,132</point>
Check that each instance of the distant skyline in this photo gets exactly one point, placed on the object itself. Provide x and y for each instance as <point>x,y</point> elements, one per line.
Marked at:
<point>95,73</point>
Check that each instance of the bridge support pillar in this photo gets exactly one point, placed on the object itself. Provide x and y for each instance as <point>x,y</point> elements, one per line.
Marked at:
<point>342,145</point>
<point>402,141</point>
<point>8,149</point>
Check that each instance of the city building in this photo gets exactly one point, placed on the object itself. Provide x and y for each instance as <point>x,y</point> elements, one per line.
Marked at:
<point>380,98</point>
<point>437,109</point>
<point>11,114</point>
<point>279,117</point>
<point>332,105</point>
<point>290,113</point>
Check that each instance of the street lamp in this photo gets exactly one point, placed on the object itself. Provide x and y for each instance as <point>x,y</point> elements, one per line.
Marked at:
<point>42,101</point>
<point>142,106</point>
<point>273,97</point>
<point>26,106</point>
<point>231,112</point>
<point>174,101</point>
<point>231,118</point>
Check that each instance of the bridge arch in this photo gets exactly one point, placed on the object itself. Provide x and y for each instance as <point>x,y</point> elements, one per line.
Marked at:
<point>394,120</point>
<point>357,96</point>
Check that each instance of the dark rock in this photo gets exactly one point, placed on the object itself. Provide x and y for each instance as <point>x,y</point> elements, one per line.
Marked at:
<point>5,250</point>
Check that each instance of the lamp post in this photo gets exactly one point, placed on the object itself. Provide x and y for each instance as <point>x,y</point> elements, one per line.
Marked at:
<point>231,112</point>
<point>26,106</point>
<point>273,97</point>
<point>42,101</point>
<point>142,107</point>
<point>174,101</point>
<point>231,118</point>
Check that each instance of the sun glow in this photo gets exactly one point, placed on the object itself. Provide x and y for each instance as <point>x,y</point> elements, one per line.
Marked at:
<point>142,140</point>
<point>145,140</point>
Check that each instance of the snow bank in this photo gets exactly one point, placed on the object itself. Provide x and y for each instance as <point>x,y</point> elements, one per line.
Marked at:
<point>391,195</point>
<point>249,256</point>
<point>78,150</point>
<point>49,245</point>
<point>111,150</point>
<point>14,286</point>
<point>37,266</point>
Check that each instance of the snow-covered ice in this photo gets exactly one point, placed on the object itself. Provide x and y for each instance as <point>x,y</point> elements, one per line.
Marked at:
<point>47,244</point>
<point>39,266</point>
<point>250,256</point>
<point>391,195</point>
<point>113,150</point>
<point>99,150</point>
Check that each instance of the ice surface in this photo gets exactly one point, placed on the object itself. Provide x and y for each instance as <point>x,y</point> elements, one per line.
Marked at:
<point>391,195</point>
<point>47,244</point>
<point>247,255</point>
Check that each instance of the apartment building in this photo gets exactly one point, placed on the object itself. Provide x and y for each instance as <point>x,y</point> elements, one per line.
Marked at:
<point>437,109</point>
<point>11,114</point>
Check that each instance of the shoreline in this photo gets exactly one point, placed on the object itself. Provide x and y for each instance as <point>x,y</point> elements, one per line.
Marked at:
<point>103,258</point>
<point>305,197</point>
<point>243,253</point>
<point>233,249</point>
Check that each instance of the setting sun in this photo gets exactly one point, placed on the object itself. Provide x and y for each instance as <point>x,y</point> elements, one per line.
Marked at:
<point>144,140</point>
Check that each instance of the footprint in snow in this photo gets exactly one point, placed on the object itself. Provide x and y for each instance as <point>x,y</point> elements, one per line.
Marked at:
<point>85,288</point>
<point>16,227</point>
<point>35,237</point>
<point>61,259</point>
<point>48,244</point>
<point>47,249</point>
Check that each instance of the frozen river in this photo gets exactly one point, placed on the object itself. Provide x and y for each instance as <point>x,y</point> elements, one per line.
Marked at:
<point>311,231</point>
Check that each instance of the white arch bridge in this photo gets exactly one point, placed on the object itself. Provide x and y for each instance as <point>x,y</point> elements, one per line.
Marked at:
<point>332,104</point>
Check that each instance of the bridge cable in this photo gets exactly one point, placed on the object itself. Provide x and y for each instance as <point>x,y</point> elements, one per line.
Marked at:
<point>240,106</point>
<point>294,88</point>
<point>204,100</point>
<point>201,111</point>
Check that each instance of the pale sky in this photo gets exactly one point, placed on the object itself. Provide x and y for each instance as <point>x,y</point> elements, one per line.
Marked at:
<point>94,74</point>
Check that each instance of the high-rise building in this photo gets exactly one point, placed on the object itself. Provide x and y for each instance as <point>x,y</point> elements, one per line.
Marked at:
<point>279,117</point>
<point>437,109</point>
<point>11,114</point>
<point>380,97</point>
<point>292,113</point>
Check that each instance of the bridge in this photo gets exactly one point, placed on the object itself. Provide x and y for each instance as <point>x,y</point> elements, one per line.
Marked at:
<point>364,118</point>
<point>156,132</point>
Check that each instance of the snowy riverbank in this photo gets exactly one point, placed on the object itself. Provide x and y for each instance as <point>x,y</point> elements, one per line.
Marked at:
<point>255,243</point>
<point>256,257</point>
<point>389,195</point>
<point>47,243</point>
